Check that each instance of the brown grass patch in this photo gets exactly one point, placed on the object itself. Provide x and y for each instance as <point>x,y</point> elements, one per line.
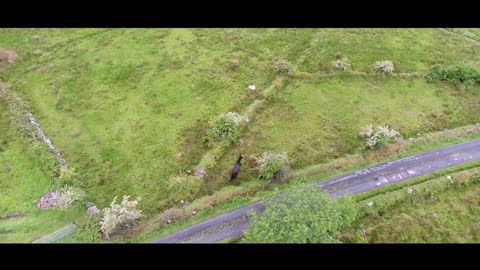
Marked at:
<point>171,215</point>
<point>8,56</point>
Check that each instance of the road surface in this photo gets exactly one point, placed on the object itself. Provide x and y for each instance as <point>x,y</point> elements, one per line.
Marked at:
<point>233,223</point>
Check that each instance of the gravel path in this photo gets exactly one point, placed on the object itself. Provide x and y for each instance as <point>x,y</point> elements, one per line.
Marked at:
<point>233,223</point>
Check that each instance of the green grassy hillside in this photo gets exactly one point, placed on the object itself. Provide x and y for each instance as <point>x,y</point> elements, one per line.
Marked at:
<point>129,108</point>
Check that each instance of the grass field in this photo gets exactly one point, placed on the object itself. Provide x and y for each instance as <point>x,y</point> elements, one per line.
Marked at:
<point>23,182</point>
<point>128,108</point>
<point>439,210</point>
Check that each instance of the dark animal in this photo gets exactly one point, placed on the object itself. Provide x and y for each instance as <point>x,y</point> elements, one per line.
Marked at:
<point>236,168</point>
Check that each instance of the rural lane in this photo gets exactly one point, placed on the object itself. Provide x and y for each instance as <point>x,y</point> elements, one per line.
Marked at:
<point>233,223</point>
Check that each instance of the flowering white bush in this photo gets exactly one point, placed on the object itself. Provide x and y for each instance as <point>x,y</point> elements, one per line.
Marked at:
<point>367,131</point>
<point>385,67</point>
<point>68,196</point>
<point>342,64</point>
<point>375,137</point>
<point>269,163</point>
<point>234,117</point>
<point>119,215</point>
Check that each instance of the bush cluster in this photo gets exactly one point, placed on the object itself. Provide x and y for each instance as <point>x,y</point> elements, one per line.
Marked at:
<point>455,74</point>
<point>305,215</point>
<point>120,216</point>
<point>383,67</point>
<point>225,127</point>
<point>378,136</point>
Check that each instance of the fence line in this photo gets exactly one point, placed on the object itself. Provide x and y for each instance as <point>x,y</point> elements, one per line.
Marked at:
<point>69,229</point>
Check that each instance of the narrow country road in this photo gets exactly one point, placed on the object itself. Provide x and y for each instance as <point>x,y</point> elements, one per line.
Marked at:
<point>232,224</point>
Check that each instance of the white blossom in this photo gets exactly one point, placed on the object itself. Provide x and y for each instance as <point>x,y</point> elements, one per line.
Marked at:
<point>370,204</point>
<point>373,135</point>
<point>342,64</point>
<point>383,66</point>
<point>119,215</point>
<point>68,196</point>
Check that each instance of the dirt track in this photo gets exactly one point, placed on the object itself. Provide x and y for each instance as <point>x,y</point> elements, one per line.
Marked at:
<point>232,224</point>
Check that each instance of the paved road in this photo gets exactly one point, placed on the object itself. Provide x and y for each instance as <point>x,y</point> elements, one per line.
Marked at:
<point>232,224</point>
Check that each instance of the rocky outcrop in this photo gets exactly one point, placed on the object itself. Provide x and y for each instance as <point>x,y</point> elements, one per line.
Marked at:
<point>46,140</point>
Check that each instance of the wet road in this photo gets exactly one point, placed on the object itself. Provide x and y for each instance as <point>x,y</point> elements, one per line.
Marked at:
<point>233,223</point>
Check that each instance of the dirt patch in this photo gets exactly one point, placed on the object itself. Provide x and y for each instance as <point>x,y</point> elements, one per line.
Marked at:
<point>8,56</point>
<point>3,86</point>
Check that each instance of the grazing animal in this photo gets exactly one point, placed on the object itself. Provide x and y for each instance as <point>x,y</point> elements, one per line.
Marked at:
<point>236,168</point>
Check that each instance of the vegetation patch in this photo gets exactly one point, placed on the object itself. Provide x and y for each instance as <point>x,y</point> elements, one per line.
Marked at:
<point>306,215</point>
<point>439,210</point>
<point>460,74</point>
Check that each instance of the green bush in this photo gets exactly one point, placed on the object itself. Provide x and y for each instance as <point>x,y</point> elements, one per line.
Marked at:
<point>45,159</point>
<point>90,231</point>
<point>455,74</point>
<point>223,127</point>
<point>282,66</point>
<point>305,215</point>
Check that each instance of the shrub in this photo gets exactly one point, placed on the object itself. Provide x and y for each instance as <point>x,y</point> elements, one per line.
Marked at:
<point>45,159</point>
<point>383,67</point>
<point>68,176</point>
<point>224,127</point>
<point>120,216</point>
<point>305,215</point>
<point>455,74</point>
<point>342,64</point>
<point>89,231</point>
<point>270,163</point>
<point>378,136</point>
<point>283,66</point>
<point>68,196</point>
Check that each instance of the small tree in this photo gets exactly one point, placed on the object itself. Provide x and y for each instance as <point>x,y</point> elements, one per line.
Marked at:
<point>119,216</point>
<point>305,215</point>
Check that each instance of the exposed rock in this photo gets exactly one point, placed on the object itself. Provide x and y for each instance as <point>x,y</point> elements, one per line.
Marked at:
<point>46,140</point>
<point>8,56</point>
<point>92,210</point>
<point>252,161</point>
<point>200,173</point>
